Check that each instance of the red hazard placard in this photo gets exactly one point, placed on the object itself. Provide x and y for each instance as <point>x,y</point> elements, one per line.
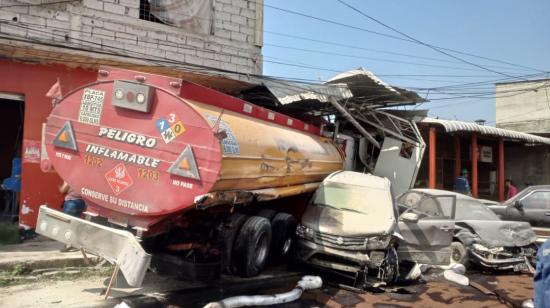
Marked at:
<point>119,179</point>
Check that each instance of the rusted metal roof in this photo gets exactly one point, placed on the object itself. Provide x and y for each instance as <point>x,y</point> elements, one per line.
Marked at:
<point>460,126</point>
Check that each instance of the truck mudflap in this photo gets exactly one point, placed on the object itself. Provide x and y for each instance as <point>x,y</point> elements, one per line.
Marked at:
<point>116,246</point>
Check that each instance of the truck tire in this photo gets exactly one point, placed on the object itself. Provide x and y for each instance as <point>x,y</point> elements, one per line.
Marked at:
<point>251,247</point>
<point>231,228</point>
<point>266,213</point>
<point>459,254</point>
<point>283,230</point>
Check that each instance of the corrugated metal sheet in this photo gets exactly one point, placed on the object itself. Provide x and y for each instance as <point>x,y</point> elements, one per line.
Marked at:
<point>289,92</point>
<point>460,126</point>
<point>368,88</point>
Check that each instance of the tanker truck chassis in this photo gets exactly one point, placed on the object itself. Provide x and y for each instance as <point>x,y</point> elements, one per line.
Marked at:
<point>178,170</point>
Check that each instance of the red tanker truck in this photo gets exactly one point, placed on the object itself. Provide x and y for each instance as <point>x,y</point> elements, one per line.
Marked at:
<point>171,167</point>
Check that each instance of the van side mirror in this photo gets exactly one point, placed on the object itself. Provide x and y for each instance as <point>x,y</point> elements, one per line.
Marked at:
<point>518,205</point>
<point>410,217</point>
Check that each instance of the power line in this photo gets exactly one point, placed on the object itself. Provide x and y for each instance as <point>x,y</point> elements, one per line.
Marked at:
<point>188,66</point>
<point>376,50</point>
<point>189,47</point>
<point>37,4</point>
<point>333,22</point>
<point>147,58</point>
<point>479,83</point>
<point>461,103</point>
<point>517,115</point>
<point>458,96</point>
<point>370,58</point>
<point>420,42</point>
<point>392,36</point>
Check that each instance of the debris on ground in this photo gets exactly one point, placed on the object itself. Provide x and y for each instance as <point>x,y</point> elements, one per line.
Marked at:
<point>306,283</point>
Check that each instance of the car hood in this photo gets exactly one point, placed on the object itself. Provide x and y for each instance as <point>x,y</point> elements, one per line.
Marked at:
<point>347,223</point>
<point>502,233</point>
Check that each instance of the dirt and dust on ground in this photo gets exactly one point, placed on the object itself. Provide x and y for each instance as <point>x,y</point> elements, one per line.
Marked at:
<point>36,274</point>
<point>485,290</point>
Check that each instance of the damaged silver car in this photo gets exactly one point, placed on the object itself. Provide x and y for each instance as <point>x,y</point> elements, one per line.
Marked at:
<point>479,236</point>
<point>351,227</point>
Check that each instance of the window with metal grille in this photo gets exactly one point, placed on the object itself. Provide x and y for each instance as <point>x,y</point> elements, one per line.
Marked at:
<point>195,16</point>
<point>145,12</point>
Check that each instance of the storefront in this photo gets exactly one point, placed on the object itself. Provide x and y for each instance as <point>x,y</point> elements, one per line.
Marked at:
<point>23,108</point>
<point>490,155</point>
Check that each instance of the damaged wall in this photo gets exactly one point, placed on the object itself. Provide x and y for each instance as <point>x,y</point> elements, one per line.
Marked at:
<point>233,43</point>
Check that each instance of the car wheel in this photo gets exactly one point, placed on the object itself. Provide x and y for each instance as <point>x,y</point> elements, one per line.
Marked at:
<point>459,254</point>
<point>390,265</point>
<point>231,228</point>
<point>252,246</point>
<point>283,229</point>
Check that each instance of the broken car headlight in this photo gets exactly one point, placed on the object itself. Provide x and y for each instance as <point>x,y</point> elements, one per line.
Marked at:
<point>480,247</point>
<point>377,242</point>
<point>496,251</point>
<point>305,232</point>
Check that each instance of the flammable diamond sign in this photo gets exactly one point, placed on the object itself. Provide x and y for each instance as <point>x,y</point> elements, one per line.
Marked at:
<point>119,179</point>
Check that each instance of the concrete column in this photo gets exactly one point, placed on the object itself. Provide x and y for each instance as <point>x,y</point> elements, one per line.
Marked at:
<point>474,165</point>
<point>500,171</point>
<point>431,158</point>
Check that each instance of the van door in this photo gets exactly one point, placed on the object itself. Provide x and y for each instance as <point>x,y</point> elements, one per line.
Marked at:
<point>426,239</point>
<point>399,161</point>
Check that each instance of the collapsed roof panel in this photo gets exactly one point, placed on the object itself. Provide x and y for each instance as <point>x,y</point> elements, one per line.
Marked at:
<point>290,92</point>
<point>369,89</point>
<point>359,89</point>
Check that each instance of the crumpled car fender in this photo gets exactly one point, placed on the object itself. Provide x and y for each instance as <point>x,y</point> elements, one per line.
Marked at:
<point>465,235</point>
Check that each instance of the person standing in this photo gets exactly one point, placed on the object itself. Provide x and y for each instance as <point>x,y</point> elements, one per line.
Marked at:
<point>73,205</point>
<point>512,190</point>
<point>541,280</point>
<point>461,184</point>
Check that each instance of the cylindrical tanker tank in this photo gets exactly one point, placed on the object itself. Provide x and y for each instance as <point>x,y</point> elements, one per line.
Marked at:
<point>143,147</point>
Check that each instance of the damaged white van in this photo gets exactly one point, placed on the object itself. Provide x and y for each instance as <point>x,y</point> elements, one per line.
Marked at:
<point>351,226</point>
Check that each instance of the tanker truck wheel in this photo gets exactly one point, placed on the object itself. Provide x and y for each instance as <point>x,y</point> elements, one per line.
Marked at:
<point>252,246</point>
<point>232,225</point>
<point>266,213</point>
<point>283,229</point>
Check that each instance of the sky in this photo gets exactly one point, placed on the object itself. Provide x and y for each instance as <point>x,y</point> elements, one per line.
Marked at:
<point>516,32</point>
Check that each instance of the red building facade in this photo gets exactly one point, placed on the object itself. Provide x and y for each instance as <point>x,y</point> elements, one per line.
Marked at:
<point>31,82</point>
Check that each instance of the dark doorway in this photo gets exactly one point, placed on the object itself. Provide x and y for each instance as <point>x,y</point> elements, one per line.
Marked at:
<point>12,110</point>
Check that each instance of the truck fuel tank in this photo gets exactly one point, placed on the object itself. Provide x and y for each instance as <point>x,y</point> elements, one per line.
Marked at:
<point>146,146</point>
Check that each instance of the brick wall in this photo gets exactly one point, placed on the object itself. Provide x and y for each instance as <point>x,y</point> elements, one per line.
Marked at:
<point>114,26</point>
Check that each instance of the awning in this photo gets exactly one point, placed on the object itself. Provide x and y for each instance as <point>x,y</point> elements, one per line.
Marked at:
<point>451,126</point>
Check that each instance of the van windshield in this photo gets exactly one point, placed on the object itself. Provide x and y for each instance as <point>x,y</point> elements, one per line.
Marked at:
<point>361,199</point>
